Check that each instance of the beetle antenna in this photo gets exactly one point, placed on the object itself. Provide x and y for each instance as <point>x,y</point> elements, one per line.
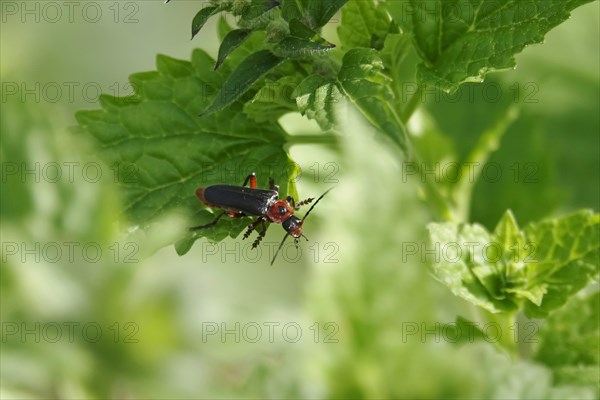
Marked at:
<point>315,203</point>
<point>306,215</point>
<point>279,248</point>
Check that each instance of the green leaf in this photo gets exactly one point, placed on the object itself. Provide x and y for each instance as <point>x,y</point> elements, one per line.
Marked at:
<point>567,254</point>
<point>360,80</point>
<point>364,24</point>
<point>365,84</point>
<point>321,11</point>
<point>295,47</point>
<point>258,8</point>
<point>538,268</point>
<point>464,331</point>
<point>173,151</point>
<point>273,100</point>
<point>223,28</point>
<point>464,271</point>
<point>317,97</point>
<point>254,67</point>
<point>293,9</point>
<point>462,40</point>
<point>298,29</point>
<point>232,41</point>
<point>201,18</point>
<point>568,342</point>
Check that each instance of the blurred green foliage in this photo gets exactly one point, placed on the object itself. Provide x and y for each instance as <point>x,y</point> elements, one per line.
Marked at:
<point>386,336</point>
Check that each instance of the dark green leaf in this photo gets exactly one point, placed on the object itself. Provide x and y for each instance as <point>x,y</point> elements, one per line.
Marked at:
<point>298,29</point>
<point>294,47</point>
<point>293,9</point>
<point>273,100</point>
<point>232,41</point>
<point>239,81</point>
<point>462,40</point>
<point>321,11</point>
<point>201,18</point>
<point>258,8</point>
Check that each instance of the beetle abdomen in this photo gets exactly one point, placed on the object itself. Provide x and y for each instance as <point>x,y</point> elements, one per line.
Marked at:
<point>247,200</point>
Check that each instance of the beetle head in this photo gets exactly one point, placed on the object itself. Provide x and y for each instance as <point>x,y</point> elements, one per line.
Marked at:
<point>293,226</point>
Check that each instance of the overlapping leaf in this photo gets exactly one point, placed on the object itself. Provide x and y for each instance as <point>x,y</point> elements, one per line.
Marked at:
<point>254,67</point>
<point>364,24</point>
<point>463,40</point>
<point>360,80</point>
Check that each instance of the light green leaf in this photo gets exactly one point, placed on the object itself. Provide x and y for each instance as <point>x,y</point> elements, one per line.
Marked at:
<point>173,151</point>
<point>460,265</point>
<point>364,24</point>
<point>538,268</point>
<point>239,81</point>
<point>463,40</point>
<point>568,342</point>
<point>232,41</point>
<point>317,97</point>
<point>223,28</point>
<point>567,254</point>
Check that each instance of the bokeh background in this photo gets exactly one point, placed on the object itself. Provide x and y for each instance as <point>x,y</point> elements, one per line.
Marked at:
<point>138,321</point>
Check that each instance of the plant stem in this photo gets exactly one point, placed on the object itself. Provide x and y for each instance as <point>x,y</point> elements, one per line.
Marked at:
<point>411,106</point>
<point>436,200</point>
<point>488,143</point>
<point>504,324</point>
<point>328,139</point>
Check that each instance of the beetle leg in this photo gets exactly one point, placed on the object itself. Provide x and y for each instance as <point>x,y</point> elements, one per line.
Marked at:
<point>210,224</point>
<point>250,179</point>
<point>272,185</point>
<point>292,202</point>
<point>261,235</point>
<point>304,202</point>
<point>252,227</point>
